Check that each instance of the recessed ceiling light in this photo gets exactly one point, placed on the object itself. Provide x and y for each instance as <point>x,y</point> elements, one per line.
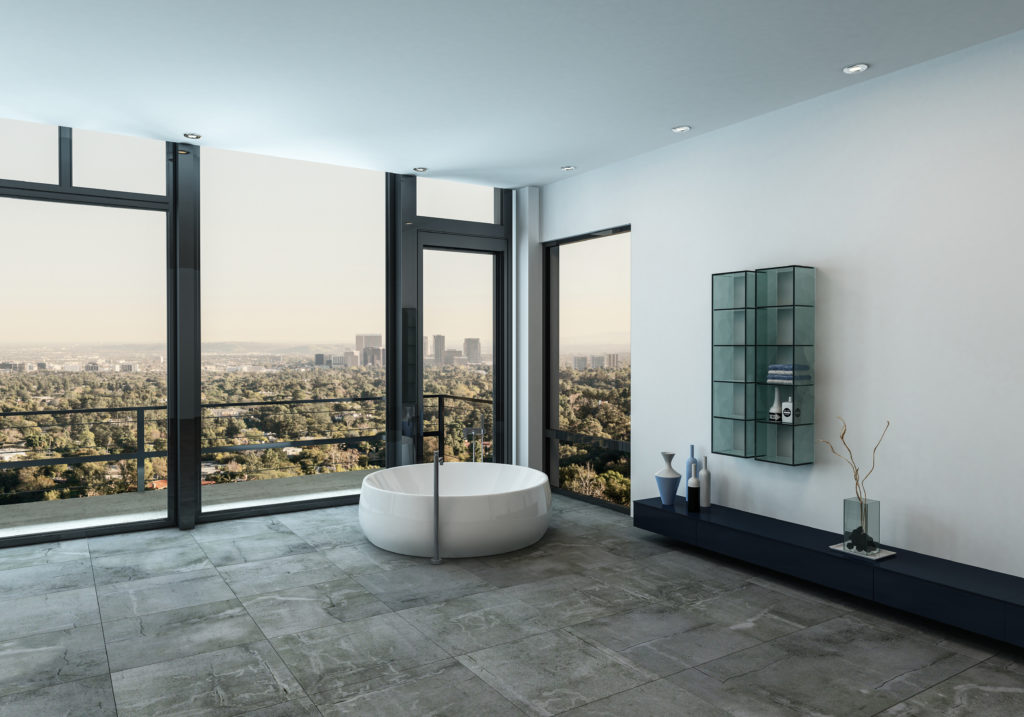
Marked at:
<point>680,129</point>
<point>856,69</point>
<point>419,169</point>
<point>193,135</point>
<point>568,168</point>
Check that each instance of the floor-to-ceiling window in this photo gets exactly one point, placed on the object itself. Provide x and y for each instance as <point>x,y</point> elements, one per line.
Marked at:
<point>83,330</point>
<point>588,412</point>
<point>293,315</point>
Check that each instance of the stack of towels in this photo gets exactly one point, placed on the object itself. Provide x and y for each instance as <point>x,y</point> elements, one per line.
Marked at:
<point>788,373</point>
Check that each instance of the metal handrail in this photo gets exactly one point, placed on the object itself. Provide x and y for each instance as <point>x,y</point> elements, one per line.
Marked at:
<point>140,454</point>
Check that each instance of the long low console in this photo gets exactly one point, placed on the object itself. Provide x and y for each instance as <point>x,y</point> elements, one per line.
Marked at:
<point>975,599</point>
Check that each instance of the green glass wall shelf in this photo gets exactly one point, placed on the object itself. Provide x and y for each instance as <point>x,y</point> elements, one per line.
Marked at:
<point>763,341</point>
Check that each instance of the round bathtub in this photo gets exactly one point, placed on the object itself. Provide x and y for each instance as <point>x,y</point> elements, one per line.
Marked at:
<point>485,509</point>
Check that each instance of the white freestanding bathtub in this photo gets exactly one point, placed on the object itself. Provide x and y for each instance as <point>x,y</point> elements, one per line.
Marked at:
<point>485,509</point>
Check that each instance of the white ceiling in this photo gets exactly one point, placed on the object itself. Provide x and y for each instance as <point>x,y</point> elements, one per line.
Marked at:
<point>497,92</point>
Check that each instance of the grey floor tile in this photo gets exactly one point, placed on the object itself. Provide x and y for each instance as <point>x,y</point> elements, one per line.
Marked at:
<point>127,566</point>
<point>91,697</point>
<point>663,640</point>
<point>303,608</point>
<point>43,554</point>
<point>474,622</point>
<point>243,528</point>
<point>44,613</point>
<point>165,592</point>
<point>252,548</point>
<point>866,669</point>
<point>302,707</point>
<point>552,672</point>
<point>51,658</point>
<point>660,697</point>
<point>572,599</point>
<point>540,562</point>
<point>222,683</point>
<point>451,691</point>
<point>142,541</point>
<point>422,584</point>
<point>368,558</point>
<point>331,528</point>
<point>763,613</point>
<point>266,576</point>
<point>45,578</point>
<point>994,688</point>
<point>162,636</point>
<point>350,653</point>
<point>746,701</point>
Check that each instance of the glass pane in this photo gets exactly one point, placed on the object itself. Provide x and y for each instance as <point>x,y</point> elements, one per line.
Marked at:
<point>594,350</point>
<point>458,365</point>
<point>732,327</point>
<point>118,162</point>
<point>454,200</point>
<point>732,363</point>
<point>293,312</point>
<point>89,332</point>
<point>732,291</point>
<point>731,437</point>
<point>594,470</point>
<point>29,152</point>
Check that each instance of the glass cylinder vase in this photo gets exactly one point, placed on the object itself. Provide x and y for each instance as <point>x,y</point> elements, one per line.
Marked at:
<point>861,526</point>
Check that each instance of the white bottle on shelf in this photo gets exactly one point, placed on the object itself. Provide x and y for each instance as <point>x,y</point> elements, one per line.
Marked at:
<point>787,410</point>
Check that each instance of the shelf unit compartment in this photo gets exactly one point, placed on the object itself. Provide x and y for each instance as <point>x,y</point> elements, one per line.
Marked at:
<point>733,400</point>
<point>785,326</point>
<point>733,363</point>
<point>733,291</point>
<point>784,443</point>
<point>785,286</point>
<point>803,402</point>
<point>733,327</point>
<point>785,355</point>
<point>733,437</point>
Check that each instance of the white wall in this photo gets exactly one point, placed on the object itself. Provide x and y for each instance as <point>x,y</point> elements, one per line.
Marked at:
<point>905,192</point>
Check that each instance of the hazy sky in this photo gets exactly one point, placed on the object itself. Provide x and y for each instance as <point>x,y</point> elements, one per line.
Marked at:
<point>292,252</point>
<point>593,294</point>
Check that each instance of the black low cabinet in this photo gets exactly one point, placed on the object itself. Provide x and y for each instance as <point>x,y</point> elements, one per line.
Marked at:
<point>982,601</point>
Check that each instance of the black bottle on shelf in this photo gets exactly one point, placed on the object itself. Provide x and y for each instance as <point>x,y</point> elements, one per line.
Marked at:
<point>693,491</point>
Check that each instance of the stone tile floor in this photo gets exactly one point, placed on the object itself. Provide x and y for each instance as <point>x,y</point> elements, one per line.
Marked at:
<point>296,614</point>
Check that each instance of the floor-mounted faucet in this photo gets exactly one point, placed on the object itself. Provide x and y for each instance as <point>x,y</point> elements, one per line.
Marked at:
<point>438,461</point>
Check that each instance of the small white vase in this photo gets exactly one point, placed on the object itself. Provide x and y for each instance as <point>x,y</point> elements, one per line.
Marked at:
<point>775,412</point>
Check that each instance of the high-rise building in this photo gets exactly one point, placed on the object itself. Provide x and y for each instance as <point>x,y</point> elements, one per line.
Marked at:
<point>92,366</point>
<point>320,360</point>
<point>471,348</point>
<point>372,356</point>
<point>364,340</point>
<point>579,363</point>
<point>450,355</point>
<point>612,360</point>
<point>127,368</point>
<point>438,349</point>
<point>350,359</point>
<point>597,361</point>
<point>42,365</point>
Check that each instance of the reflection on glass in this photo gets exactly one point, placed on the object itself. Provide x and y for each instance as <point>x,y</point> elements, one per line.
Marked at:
<point>293,313</point>
<point>29,152</point>
<point>118,162</point>
<point>458,365</point>
<point>82,366</point>
<point>594,365</point>
<point>454,200</point>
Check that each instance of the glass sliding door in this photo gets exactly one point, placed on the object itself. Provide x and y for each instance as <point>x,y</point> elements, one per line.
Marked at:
<point>293,315</point>
<point>458,355</point>
<point>588,423</point>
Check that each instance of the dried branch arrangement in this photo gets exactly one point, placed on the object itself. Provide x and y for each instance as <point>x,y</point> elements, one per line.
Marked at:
<point>858,481</point>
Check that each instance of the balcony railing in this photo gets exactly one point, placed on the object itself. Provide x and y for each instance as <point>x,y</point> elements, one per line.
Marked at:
<point>143,415</point>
